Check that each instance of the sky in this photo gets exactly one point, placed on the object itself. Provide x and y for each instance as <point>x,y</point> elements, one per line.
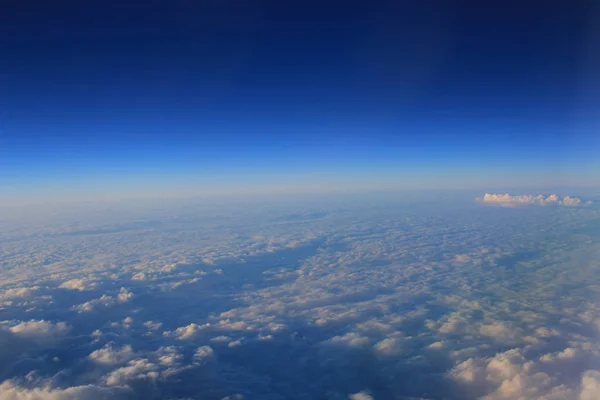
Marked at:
<point>176,97</point>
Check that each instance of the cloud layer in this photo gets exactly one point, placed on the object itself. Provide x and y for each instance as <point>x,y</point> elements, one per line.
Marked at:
<point>341,300</point>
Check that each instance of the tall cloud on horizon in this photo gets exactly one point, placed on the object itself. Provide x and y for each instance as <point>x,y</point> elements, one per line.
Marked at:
<point>508,200</point>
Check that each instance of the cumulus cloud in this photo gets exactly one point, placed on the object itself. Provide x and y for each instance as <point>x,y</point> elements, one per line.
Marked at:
<point>188,332</point>
<point>139,369</point>
<point>20,292</point>
<point>590,385</point>
<point>507,199</point>
<point>124,295</point>
<point>109,355</point>
<point>169,356</point>
<point>203,353</point>
<point>139,276</point>
<point>153,325</point>
<point>77,284</point>
<point>41,331</point>
<point>20,342</point>
<point>391,346</point>
<point>11,391</point>
<point>364,395</point>
<point>377,302</point>
<point>105,301</point>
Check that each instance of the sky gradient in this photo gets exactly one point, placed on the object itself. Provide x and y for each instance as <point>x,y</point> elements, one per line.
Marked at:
<point>194,97</point>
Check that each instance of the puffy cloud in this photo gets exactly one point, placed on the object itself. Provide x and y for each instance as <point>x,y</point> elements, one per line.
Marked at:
<point>24,341</point>
<point>507,199</point>
<point>511,375</point>
<point>169,356</point>
<point>41,331</point>
<point>364,395</point>
<point>152,325</point>
<point>499,330</point>
<point>139,369</point>
<point>389,346</point>
<point>105,301</point>
<point>77,284</point>
<point>188,332</point>
<point>590,385</point>
<point>203,353</point>
<point>392,301</point>
<point>11,391</point>
<point>109,355</point>
<point>124,295</point>
<point>21,292</point>
<point>236,396</point>
<point>221,339</point>
<point>139,276</point>
<point>351,339</point>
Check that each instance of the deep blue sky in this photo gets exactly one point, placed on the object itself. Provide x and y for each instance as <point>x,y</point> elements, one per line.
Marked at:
<point>160,95</point>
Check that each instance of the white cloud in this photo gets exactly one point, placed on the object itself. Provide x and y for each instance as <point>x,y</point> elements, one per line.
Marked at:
<point>499,330</point>
<point>590,386</point>
<point>221,339</point>
<point>169,356</point>
<point>103,301</point>
<point>77,284</point>
<point>140,369</point>
<point>139,276</point>
<point>187,332</point>
<point>152,325</point>
<point>124,295</point>
<point>21,292</point>
<point>364,395</point>
<point>367,297</point>
<point>40,330</point>
<point>11,391</point>
<point>236,396</point>
<point>109,355</point>
<point>351,339</point>
<point>507,199</point>
<point>389,346</point>
<point>203,353</point>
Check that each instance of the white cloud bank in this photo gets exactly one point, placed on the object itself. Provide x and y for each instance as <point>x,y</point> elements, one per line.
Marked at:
<point>507,199</point>
<point>10,391</point>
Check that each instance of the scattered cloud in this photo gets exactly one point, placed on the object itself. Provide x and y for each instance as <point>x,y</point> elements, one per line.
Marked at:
<point>77,284</point>
<point>105,301</point>
<point>11,391</point>
<point>188,332</point>
<point>124,295</point>
<point>40,330</point>
<point>364,395</point>
<point>19,293</point>
<point>203,353</point>
<point>112,356</point>
<point>429,301</point>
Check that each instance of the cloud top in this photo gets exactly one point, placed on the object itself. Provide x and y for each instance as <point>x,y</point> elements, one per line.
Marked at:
<point>507,199</point>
